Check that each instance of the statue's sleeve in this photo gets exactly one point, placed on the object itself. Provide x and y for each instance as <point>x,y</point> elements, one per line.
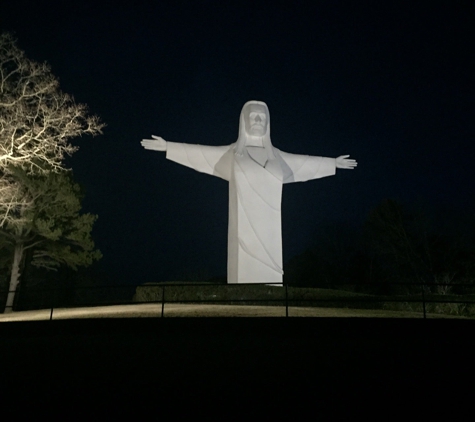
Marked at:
<point>213,160</point>
<point>300,168</point>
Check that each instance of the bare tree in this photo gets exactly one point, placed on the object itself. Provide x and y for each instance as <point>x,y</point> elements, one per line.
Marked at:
<point>37,120</point>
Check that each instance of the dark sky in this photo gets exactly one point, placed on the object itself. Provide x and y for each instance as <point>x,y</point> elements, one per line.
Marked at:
<point>389,82</point>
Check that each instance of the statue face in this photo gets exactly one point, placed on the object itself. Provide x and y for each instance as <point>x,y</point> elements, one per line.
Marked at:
<point>256,120</point>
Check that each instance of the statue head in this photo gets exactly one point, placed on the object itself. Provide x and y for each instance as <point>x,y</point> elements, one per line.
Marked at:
<point>255,119</point>
<point>254,128</point>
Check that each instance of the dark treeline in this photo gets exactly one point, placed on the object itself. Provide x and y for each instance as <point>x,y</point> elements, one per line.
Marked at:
<point>398,243</point>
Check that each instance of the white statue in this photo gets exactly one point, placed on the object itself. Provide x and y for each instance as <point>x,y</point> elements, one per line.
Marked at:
<point>255,171</point>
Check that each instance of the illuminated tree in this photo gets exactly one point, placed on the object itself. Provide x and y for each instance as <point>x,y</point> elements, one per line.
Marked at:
<point>47,221</point>
<point>37,119</point>
<point>39,203</point>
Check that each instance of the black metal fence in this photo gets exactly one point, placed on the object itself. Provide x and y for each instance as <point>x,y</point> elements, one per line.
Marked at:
<point>443,299</point>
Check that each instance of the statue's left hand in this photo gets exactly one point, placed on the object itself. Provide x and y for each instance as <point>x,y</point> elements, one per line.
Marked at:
<point>342,162</point>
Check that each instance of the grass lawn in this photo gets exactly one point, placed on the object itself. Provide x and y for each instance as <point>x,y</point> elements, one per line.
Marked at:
<point>210,300</point>
<point>207,310</point>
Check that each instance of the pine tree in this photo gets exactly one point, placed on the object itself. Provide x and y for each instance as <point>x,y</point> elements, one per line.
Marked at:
<point>49,222</point>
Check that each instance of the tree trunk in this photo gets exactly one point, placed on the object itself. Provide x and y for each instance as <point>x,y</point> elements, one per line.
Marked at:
<point>25,269</point>
<point>15,276</point>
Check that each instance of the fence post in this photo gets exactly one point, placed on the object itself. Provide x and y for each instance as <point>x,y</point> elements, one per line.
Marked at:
<point>423,301</point>
<point>286,301</point>
<point>163,300</point>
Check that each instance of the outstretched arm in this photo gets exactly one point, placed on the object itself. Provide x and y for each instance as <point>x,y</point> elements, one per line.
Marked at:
<point>155,144</point>
<point>214,160</point>
<point>342,162</point>
<point>300,168</point>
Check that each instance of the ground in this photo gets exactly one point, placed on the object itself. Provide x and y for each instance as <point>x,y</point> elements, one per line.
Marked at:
<point>204,310</point>
<point>285,364</point>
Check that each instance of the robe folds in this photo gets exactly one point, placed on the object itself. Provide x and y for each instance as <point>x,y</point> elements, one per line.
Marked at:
<point>255,196</point>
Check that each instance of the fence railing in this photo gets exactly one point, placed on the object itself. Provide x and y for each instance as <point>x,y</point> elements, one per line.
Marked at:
<point>427,296</point>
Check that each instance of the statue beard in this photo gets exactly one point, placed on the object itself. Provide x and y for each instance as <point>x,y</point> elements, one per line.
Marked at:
<point>254,141</point>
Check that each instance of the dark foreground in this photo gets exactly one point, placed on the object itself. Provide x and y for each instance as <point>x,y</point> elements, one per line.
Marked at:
<point>294,360</point>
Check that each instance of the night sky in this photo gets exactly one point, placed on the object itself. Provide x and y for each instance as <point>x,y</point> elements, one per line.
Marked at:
<point>389,82</point>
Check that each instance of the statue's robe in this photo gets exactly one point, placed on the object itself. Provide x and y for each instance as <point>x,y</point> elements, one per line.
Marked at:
<point>255,193</point>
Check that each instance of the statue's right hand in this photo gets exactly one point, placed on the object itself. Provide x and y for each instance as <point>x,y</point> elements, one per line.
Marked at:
<point>156,144</point>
